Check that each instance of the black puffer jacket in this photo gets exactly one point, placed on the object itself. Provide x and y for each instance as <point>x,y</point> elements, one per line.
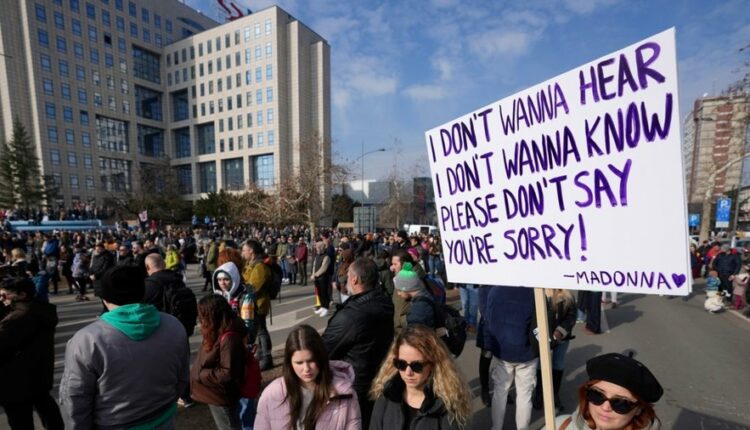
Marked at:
<point>100,264</point>
<point>27,355</point>
<point>389,411</point>
<point>360,333</point>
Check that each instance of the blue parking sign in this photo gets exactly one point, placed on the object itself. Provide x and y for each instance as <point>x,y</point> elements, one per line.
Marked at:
<point>723,210</point>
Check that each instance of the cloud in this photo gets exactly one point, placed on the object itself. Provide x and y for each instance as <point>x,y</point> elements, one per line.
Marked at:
<point>584,7</point>
<point>331,28</point>
<point>495,43</point>
<point>425,92</point>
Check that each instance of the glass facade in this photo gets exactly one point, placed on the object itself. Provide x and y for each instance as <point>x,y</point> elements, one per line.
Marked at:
<point>181,138</point>
<point>206,138</point>
<point>180,105</point>
<point>150,141</point>
<point>111,134</point>
<point>115,174</point>
<point>233,178</point>
<point>263,175</point>
<point>148,103</point>
<point>146,65</point>
<point>185,178</point>
<point>207,177</point>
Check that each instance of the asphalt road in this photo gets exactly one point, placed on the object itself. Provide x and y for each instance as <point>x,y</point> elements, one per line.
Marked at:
<point>701,359</point>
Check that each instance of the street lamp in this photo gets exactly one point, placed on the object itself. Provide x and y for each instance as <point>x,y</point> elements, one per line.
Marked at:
<point>362,157</point>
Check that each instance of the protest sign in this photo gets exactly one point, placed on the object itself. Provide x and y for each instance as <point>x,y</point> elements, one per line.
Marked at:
<point>576,182</point>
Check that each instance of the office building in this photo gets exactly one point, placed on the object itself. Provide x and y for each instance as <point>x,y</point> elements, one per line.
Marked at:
<point>108,88</point>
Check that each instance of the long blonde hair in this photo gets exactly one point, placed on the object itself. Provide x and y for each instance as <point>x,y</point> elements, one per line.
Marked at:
<point>558,295</point>
<point>447,383</point>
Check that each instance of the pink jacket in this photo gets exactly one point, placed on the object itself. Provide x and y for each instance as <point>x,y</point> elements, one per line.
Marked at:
<point>341,413</point>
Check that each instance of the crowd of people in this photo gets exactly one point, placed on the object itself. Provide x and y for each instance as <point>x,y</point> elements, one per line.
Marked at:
<point>387,358</point>
<point>727,273</point>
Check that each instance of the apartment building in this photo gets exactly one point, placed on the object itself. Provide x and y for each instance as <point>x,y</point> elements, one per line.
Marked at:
<point>107,88</point>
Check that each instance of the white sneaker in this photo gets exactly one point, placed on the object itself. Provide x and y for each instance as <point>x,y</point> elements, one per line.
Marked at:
<point>318,311</point>
<point>323,313</point>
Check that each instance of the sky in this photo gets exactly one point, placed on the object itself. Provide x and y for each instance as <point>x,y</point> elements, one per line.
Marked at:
<point>402,67</point>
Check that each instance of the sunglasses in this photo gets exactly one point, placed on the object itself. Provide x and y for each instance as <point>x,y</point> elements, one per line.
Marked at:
<point>416,366</point>
<point>621,406</point>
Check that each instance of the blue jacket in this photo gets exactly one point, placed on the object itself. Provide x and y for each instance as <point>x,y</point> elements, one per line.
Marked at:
<point>509,316</point>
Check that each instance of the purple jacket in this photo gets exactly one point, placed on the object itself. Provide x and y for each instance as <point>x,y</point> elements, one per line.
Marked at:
<point>341,413</point>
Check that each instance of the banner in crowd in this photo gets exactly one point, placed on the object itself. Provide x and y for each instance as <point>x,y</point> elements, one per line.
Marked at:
<point>575,183</point>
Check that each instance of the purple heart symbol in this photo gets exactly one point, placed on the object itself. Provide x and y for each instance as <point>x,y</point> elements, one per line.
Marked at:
<point>678,279</point>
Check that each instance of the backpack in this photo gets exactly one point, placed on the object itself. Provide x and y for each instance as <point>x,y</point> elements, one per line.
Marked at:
<point>250,385</point>
<point>180,302</point>
<point>273,284</point>
<point>451,326</point>
<point>436,287</point>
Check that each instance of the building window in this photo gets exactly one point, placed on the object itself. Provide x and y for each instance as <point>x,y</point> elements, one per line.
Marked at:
<point>180,105</point>
<point>269,94</point>
<point>258,53</point>
<point>83,117</point>
<point>259,97</point>
<point>269,116</point>
<point>86,140</point>
<point>112,103</point>
<point>271,138</point>
<point>63,65</point>
<point>112,134</point>
<point>75,6</point>
<point>106,18</point>
<point>258,74</point>
<point>206,138</point>
<point>181,138</point>
<point>80,73</point>
<point>52,134</point>
<point>88,161</point>
<point>65,91</point>
<point>97,99</point>
<point>185,178</point>
<point>90,11</point>
<point>150,141</point>
<point>207,176</point>
<point>248,55</point>
<point>68,114</point>
<point>263,175</point>
<point>269,72</point>
<point>72,159</point>
<point>43,38</point>
<point>120,24</point>
<point>94,55</point>
<point>249,141</point>
<point>145,15</point>
<point>70,136</point>
<point>54,156</point>
<point>46,63</point>
<point>269,50</point>
<point>41,13</point>
<point>146,36</point>
<point>259,117</point>
<point>92,33</point>
<point>50,110</point>
<point>260,139</point>
<point>132,9</point>
<point>74,182</point>
<point>148,103</point>
<point>233,177</point>
<point>49,88</point>
<point>78,50</point>
<point>257,31</point>
<point>115,174</point>
<point>133,29</point>
<point>168,26</point>
<point>125,106</point>
<point>59,21</point>
<point>90,182</point>
<point>249,120</point>
<point>268,27</point>
<point>82,96</point>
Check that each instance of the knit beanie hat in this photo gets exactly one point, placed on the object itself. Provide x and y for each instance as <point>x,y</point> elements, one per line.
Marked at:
<point>407,279</point>
<point>123,285</point>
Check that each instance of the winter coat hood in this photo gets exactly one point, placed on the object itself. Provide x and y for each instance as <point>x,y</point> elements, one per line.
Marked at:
<point>343,377</point>
<point>137,321</point>
<point>234,273</point>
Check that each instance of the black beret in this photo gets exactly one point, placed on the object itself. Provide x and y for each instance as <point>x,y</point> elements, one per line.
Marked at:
<point>123,285</point>
<point>625,372</point>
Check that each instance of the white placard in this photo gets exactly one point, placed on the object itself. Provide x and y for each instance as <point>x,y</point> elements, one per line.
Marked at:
<point>576,183</point>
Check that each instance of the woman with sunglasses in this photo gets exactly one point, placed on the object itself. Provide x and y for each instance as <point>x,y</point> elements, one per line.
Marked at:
<point>619,395</point>
<point>312,393</point>
<point>418,386</point>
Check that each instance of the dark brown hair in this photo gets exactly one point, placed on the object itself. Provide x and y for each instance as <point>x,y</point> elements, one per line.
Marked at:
<point>307,338</point>
<point>215,316</point>
<point>641,421</point>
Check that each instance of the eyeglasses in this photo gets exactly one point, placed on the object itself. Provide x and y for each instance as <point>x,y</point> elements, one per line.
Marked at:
<point>416,366</point>
<point>621,406</point>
